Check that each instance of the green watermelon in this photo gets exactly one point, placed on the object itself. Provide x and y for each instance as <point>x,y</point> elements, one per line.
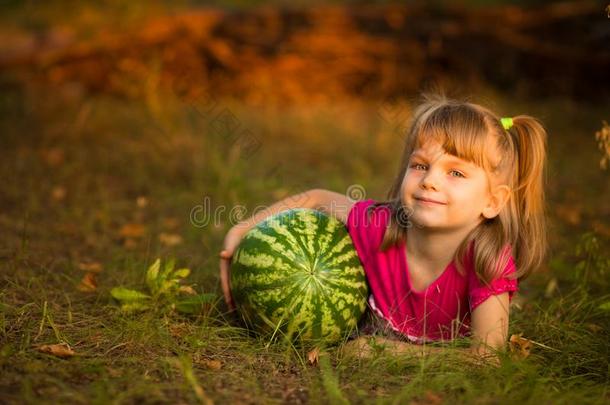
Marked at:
<point>297,274</point>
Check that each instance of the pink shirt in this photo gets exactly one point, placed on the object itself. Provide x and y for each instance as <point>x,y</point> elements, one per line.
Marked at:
<point>441,311</point>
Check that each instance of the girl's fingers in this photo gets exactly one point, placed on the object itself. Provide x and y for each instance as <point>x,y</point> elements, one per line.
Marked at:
<point>225,282</point>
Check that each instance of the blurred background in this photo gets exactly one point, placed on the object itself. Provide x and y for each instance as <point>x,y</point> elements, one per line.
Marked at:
<point>131,130</point>
<point>241,103</point>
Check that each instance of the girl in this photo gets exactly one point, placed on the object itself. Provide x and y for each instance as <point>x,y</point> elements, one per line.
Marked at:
<point>462,223</point>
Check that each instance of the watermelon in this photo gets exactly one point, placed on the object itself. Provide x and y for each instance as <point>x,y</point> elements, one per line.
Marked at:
<point>297,275</point>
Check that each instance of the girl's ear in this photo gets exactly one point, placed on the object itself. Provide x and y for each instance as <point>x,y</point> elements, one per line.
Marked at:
<point>497,200</point>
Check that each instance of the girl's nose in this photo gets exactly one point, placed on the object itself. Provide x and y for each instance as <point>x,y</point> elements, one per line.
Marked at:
<point>429,182</point>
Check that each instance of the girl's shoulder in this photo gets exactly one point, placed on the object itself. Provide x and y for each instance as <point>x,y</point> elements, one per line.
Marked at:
<point>368,213</point>
<point>366,225</point>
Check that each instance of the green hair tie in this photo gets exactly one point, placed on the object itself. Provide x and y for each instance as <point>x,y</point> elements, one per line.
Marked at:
<point>507,123</point>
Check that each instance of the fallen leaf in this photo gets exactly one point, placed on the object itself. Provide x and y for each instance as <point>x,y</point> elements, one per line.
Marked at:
<point>170,239</point>
<point>60,350</point>
<point>88,283</point>
<point>313,356</point>
<point>130,244</point>
<point>132,231</point>
<point>178,330</point>
<point>170,223</point>
<point>90,267</point>
<point>187,289</point>
<point>520,346</point>
<point>142,201</point>
<point>211,364</point>
<point>430,398</point>
<point>58,193</point>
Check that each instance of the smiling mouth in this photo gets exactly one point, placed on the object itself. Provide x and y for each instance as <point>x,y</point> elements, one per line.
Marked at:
<point>429,201</point>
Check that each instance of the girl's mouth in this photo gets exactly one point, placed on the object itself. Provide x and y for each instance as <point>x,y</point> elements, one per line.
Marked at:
<point>429,201</point>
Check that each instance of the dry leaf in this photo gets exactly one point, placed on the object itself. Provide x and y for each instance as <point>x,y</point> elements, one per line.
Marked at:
<point>430,398</point>
<point>58,193</point>
<point>313,356</point>
<point>211,364</point>
<point>88,283</point>
<point>170,223</point>
<point>520,346</point>
<point>170,239</point>
<point>141,201</point>
<point>178,330</point>
<point>187,289</point>
<point>59,350</point>
<point>130,244</point>
<point>132,231</point>
<point>90,267</point>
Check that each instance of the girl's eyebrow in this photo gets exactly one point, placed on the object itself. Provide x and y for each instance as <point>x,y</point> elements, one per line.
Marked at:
<point>450,158</point>
<point>417,154</point>
<point>456,160</point>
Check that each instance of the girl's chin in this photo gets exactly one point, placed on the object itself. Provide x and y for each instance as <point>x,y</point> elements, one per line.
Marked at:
<point>422,223</point>
<point>429,222</point>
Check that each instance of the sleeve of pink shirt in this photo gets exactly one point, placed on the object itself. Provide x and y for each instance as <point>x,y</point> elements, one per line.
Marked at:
<point>362,229</point>
<point>478,291</point>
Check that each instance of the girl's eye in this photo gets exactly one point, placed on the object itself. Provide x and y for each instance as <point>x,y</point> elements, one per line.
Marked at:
<point>456,173</point>
<point>418,166</point>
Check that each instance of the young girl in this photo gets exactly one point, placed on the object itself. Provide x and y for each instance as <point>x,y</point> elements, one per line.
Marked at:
<point>462,223</point>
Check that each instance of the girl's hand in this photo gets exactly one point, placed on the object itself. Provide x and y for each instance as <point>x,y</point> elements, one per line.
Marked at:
<point>231,241</point>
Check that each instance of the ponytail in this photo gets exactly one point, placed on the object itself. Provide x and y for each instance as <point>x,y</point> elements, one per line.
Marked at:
<point>528,237</point>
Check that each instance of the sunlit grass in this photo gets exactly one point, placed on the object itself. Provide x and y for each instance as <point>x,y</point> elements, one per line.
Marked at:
<point>106,153</point>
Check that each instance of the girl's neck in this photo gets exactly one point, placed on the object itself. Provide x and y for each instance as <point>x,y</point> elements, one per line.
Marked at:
<point>433,250</point>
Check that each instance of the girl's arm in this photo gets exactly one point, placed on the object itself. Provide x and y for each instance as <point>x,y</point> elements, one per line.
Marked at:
<point>334,204</point>
<point>489,325</point>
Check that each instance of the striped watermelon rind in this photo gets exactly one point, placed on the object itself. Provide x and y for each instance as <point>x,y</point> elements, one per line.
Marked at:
<point>297,274</point>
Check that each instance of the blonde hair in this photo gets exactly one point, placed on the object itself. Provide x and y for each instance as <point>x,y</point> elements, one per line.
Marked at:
<point>464,130</point>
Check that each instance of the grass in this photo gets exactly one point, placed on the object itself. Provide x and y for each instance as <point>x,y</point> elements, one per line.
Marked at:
<point>74,167</point>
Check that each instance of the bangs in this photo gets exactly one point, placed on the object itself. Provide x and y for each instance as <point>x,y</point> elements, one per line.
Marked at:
<point>462,132</point>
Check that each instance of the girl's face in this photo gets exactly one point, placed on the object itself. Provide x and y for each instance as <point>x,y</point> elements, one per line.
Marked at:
<point>444,192</point>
